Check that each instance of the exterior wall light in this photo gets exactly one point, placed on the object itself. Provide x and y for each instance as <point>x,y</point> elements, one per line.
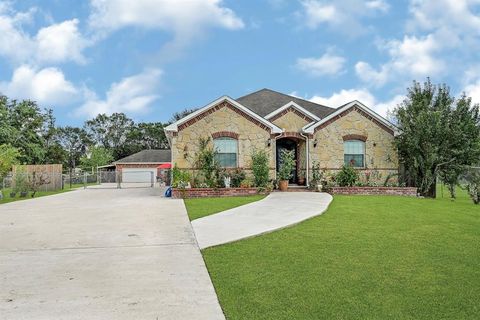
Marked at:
<point>269,142</point>
<point>315,143</point>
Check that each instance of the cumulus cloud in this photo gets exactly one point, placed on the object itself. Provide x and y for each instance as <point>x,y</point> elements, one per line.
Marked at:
<point>186,20</point>
<point>363,95</point>
<point>411,57</point>
<point>47,86</point>
<point>132,95</point>
<point>343,15</point>
<point>327,64</point>
<point>61,42</point>
<point>55,43</point>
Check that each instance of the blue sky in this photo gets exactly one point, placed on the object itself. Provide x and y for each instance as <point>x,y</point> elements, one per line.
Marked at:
<point>150,58</point>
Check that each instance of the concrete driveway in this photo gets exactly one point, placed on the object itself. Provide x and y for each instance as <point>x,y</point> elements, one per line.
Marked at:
<point>102,254</point>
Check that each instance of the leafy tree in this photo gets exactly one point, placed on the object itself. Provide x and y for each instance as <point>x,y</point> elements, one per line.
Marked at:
<point>463,144</point>
<point>8,157</point>
<point>74,141</point>
<point>98,156</point>
<point>50,134</point>
<point>147,135</point>
<point>24,128</point>
<point>111,132</point>
<point>434,135</point>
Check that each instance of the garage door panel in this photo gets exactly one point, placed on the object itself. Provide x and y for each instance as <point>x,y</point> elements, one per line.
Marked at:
<point>138,175</point>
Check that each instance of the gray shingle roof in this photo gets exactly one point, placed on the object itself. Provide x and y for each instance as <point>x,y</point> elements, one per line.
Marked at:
<point>148,156</point>
<point>265,101</point>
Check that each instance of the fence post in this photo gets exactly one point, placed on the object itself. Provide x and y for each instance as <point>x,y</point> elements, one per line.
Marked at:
<point>152,181</point>
<point>84,180</point>
<point>117,177</point>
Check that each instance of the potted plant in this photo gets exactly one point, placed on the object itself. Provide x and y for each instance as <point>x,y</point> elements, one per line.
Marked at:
<point>286,167</point>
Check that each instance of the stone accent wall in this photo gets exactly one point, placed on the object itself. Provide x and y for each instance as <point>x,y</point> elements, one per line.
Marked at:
<point>380,153</point>
<point>210,192</point>
<point>396,191</point>
<point>292,120</point>
<point>220,119</point>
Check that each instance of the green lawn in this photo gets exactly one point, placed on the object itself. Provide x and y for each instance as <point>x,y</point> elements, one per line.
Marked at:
<point>7,198</point>
<point>202,207</point>
<point>367,257</point>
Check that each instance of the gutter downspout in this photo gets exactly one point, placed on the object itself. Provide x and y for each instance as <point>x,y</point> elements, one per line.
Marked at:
<point>307,178</point>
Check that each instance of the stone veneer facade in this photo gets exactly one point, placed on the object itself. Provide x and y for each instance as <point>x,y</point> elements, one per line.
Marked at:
<point>224,121</point>
<point>325,145</point>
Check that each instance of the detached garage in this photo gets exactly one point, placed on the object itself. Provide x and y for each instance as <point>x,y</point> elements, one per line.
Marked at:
<point>142,166</point>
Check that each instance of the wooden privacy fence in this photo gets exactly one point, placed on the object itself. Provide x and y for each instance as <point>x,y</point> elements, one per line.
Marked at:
<point>49,175</point>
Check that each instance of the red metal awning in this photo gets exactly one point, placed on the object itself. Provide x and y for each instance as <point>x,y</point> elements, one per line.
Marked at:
<point>165,166</point>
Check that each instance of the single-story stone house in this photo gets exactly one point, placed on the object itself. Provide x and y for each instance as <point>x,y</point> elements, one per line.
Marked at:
<point>351,134</point>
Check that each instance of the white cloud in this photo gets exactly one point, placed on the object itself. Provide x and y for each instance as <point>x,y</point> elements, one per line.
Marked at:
<point>186,20</point>
<point>52,44</point>
<point>380,5</point>
<point>61,42</point>
<point>317,13</point>
<point>412,58</point>
<point>327,64</point>
<point>363,95</point>
<point>132,95</point>
<point>458,15</point>
<point>47,86</point>
<point>341,15</point>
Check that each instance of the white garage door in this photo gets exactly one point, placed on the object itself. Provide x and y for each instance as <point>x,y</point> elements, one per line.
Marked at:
<point>138,174</point>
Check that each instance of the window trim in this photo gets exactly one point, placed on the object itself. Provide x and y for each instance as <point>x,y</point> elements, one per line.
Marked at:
<point>228,137</point>
<point>364,154</point>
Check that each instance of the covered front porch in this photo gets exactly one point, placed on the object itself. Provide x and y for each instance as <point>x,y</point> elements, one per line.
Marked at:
<point>298,143</point>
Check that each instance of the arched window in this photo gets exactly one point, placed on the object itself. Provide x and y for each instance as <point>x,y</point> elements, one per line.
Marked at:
<point>227,150</point>
<point>354,153</point>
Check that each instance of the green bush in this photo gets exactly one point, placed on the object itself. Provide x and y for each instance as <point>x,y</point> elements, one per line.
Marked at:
<point>181,178</point>
<point>206,163</point>
<point>347,176</point>
<point>237,176</point>
<point>260,168</point>
<point>317,175</point>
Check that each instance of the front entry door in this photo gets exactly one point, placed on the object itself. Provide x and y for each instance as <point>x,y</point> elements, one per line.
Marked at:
<point>287,144</point>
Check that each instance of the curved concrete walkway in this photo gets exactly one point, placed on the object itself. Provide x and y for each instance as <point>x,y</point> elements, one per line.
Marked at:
<point>276,211</point>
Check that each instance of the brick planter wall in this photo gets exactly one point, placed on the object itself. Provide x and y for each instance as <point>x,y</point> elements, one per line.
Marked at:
<point>396,191</point>
<point>210,192</point>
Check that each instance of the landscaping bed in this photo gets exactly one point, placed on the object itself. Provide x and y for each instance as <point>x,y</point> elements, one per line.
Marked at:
<point>213,192</point>
<point>396,191</point>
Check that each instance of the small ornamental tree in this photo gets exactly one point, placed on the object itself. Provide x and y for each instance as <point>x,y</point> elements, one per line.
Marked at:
<point>438,136</point>
<point>285,171</point>
<point>260,168</point>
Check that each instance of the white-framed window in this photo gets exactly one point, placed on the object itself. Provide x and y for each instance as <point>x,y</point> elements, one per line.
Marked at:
<point>227,151</point>
<point>354,153</point>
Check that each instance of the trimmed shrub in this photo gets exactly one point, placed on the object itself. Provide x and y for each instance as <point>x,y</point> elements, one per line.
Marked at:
<point>347,177</point>
<point>260,168</point>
